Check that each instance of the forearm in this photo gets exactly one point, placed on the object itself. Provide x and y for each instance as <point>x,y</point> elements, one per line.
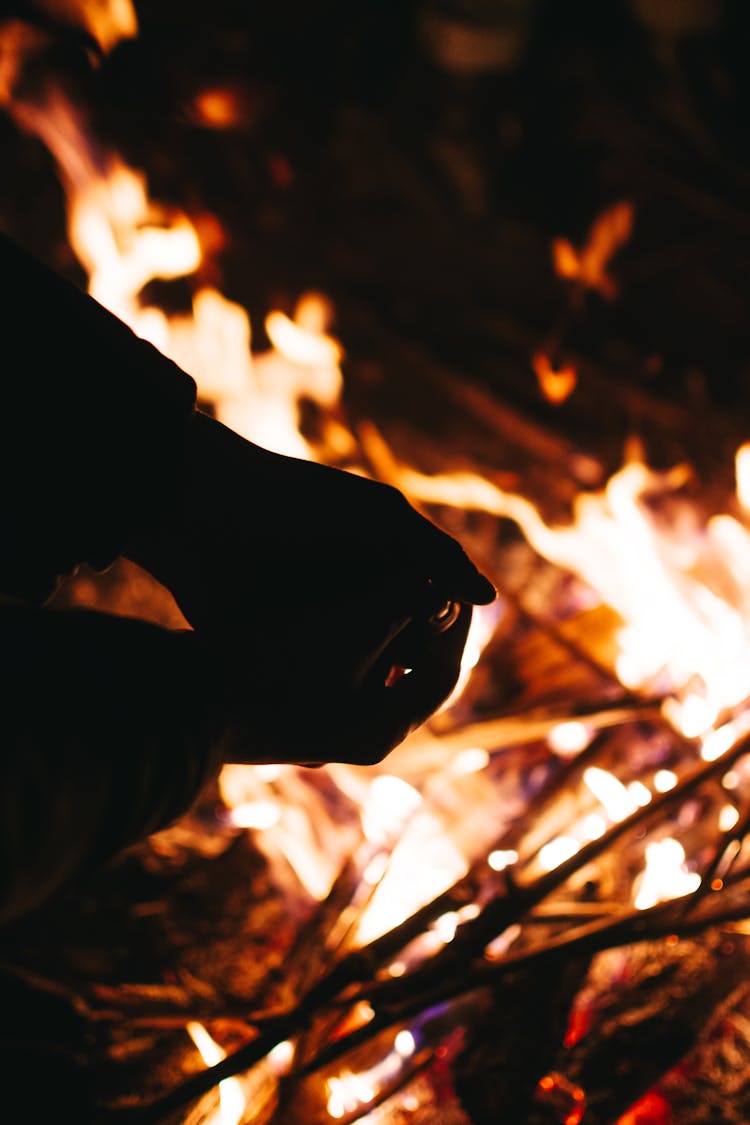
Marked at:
<point>105,739</point>
<point>92,429</point>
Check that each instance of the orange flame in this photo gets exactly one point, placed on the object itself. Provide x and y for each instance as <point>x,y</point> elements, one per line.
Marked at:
<point>588,266</point>
<point>556,384</point>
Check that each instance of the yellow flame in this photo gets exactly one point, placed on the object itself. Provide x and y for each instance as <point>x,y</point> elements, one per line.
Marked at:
<point>349,1091</point>
<point>500,859</point>
<point>682,591</point>
<point>664,780</point>
<point>484,621</point>
<point>291,819</point>
<point>556,851</point>
<point>256,814</point>
<point>567,739</point>
<point>346,1093</point>
<point>394,811</point>
<point>389,805</point>
<point>665,875</point>
<point>617,800</point>
<point>124,241</point>
<point>728,817</point>
<point>471,760</point>
<point>308,346</point>
<point>231,1098</point>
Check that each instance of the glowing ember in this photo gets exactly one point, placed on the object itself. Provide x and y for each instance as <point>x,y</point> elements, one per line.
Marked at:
<point>217,108</point>
<point>564,1098</point>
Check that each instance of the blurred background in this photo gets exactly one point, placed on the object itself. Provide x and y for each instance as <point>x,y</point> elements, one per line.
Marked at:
<point>416,162</point>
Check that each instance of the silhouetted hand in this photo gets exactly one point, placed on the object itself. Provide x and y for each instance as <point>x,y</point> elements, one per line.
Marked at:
<point>311,591</point>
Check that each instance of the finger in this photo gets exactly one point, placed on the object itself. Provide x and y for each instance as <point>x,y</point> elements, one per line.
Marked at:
<point>446,562</point>
<point>391,709</point>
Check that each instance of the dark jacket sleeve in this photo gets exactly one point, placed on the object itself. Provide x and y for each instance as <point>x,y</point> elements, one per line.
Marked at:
<point>101,738</point>
<point>102,742</point>
<point>92,421</point>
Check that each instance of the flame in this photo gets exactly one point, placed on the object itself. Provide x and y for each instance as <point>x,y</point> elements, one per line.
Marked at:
<point>617,800</point>
<point>393,811</point>
<point>18,42</point>
<point>568,738</point>
<point>588,266</point>
<point>728,817</point>
<point>349,1092</point>
<point>124,241</point>
<point>556,383</point>
<point>290,821</point>
<point>390,804</point>
<point>500,859</point>
<point>484,622</point>
<point>665,875</point>
<point>682,590</point>
<point>232,1102</point>
<point>556,851</point>
<point>109,22</point>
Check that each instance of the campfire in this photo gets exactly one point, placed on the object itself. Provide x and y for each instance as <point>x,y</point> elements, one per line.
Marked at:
<point>536,909</point>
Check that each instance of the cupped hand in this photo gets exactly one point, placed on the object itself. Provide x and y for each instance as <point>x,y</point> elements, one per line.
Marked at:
<point>332,615</point>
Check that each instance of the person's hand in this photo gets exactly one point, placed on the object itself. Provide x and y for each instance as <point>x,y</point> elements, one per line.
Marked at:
<point>312,591</point>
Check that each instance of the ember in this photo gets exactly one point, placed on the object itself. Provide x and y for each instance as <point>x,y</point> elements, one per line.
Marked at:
<point>537,907</point>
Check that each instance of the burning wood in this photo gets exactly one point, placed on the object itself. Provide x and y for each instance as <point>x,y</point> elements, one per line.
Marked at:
<point>505,849</point>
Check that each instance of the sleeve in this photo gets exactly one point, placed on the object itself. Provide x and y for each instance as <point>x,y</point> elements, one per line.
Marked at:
<point>92,426</point>
<point>103,720</point>
<point>103,741</point>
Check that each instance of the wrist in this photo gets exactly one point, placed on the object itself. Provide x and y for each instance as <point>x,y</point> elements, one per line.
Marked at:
<point>215,473</point>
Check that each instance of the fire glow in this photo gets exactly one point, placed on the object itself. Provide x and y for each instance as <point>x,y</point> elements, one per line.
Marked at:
<point>680,590</point>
